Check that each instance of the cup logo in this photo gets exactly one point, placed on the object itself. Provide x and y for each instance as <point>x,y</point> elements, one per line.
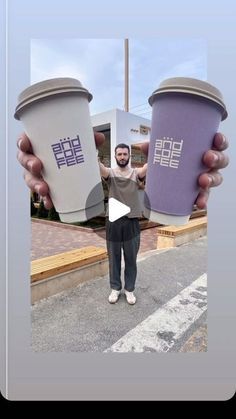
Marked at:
<point>167,152</point>
<point>68,152</point>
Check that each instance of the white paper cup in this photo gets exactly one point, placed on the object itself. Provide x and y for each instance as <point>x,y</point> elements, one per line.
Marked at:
<point>56,118</point>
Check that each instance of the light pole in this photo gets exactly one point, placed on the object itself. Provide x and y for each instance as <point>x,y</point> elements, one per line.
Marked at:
<point>126,75</point>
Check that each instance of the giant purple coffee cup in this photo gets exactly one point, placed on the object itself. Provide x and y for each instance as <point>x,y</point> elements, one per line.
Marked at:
<point>186,114</point>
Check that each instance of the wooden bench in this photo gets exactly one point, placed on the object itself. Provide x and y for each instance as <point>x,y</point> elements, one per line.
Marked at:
<point>53,274</point>
<point>198,213</point>
<point>172,236</point>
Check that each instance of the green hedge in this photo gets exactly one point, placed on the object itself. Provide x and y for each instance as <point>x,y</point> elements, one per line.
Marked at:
<point>42,211</point>
<point>53,214</point>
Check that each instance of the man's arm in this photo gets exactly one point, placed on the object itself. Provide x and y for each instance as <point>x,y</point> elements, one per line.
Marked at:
<point>104,171</point>
<point>142,171</point>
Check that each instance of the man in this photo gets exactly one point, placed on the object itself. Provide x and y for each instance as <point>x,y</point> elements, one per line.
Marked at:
<point>123,233</point>
<point>213,159</point>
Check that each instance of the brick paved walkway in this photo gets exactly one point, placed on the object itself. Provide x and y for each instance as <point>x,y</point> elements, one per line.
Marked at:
<point>47,240</point>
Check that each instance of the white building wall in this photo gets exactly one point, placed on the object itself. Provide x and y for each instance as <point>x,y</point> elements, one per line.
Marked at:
<point>128,128</point>
<point>125,128</point>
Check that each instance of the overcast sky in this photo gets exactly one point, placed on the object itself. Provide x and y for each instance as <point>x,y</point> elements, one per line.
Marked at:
<point>99,65</point>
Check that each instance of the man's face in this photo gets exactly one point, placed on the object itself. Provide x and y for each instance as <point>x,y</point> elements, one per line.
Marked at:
<point>122,156</point>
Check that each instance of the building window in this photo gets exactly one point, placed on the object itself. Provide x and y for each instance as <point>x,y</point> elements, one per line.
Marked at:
<point>138,159</point>
<point>104,150</point>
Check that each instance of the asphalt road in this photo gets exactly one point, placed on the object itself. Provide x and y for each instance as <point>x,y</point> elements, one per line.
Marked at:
<point>169,315</point>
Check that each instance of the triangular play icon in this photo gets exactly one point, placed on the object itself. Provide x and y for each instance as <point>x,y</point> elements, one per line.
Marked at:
<point>117,209</point>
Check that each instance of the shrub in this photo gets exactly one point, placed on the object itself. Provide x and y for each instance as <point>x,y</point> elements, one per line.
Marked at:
<point>42,211</point>
<point>53,214</point>
<point>33,210</point>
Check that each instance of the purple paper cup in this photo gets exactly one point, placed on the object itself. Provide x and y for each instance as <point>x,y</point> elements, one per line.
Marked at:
<point>186,114</point>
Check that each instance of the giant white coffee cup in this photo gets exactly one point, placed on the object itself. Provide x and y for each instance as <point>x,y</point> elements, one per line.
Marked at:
<point>56,118</point>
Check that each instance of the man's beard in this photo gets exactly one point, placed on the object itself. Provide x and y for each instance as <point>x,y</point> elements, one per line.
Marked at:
<point>122,163</point>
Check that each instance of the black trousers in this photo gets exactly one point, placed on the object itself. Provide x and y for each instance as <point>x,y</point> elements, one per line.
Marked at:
<point>123,233</point>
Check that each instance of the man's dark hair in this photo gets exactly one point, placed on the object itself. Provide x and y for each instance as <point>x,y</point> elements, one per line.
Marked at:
<point>122,145</point>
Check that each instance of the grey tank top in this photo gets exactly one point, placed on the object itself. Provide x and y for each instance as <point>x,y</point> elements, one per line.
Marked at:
<point>123,186</point>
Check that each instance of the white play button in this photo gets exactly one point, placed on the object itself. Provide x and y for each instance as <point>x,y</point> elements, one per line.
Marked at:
<point>117,209</point>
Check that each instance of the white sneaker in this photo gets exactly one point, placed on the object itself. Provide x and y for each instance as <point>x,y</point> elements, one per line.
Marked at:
<point>130,297</point>
<point>113,297</point>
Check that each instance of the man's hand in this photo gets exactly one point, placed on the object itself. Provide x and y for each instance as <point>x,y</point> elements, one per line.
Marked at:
<point>33,167</point>
<point>214,160</point>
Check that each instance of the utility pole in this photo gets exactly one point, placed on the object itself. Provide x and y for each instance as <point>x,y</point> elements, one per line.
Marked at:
<point>126,75</point>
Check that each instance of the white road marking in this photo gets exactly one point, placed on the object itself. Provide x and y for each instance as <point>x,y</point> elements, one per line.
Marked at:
<point>160,331</point>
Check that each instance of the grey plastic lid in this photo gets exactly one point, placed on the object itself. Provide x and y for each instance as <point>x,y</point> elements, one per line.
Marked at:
<point>190,86</point>
<point>47,88</point>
